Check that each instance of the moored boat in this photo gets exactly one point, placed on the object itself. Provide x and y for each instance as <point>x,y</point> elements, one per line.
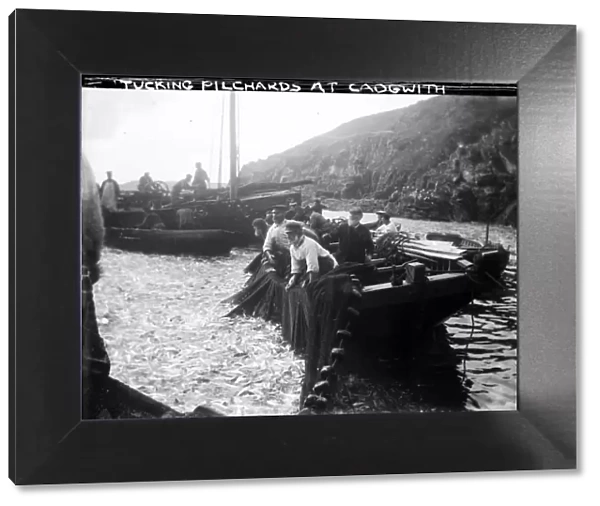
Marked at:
<point>172,242</point>
<point>444,255</point>
<point>440,252</point>
<point>230,208</point>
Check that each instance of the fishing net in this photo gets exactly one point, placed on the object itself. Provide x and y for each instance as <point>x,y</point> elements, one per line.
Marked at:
<point>309,316</point>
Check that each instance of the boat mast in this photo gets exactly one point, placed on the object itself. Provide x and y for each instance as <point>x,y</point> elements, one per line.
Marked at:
<point>232,150</point>
<point>220,178</point>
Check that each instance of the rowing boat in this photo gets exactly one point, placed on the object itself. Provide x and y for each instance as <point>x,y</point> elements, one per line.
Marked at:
<point>172,242</point>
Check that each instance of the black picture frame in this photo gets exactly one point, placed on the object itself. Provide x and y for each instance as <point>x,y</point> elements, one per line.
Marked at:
<point>50,50</point>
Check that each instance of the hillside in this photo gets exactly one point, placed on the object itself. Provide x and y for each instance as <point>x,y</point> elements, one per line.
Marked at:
<point>447,158</point>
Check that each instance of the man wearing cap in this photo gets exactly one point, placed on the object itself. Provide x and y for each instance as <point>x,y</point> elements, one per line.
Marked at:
<point>292,212</point>
<point>184,184</point>
<point>307,255</point>
<point>145,183</point>
<point>201,179</point>
<point>318,207</point>
<point>276,243</point>
<point>355,241</point>
<point>386,226</point>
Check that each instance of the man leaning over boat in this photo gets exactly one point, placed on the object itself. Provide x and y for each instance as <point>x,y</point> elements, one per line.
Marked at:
<point>178,187</point>
<point>276,247</point>
<point>308,258</point>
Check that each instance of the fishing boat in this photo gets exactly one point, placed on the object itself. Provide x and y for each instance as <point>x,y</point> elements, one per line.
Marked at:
<point>439,252</point>
<point>395,299</point>
<point>209,223</point>
<point>445,255</point>
<point>357,307</point>
<point>454,239</point>
<point>230,208</point>
<point>172,242</point>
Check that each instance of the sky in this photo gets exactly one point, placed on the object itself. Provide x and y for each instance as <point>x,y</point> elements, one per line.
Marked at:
<point>166,132</point>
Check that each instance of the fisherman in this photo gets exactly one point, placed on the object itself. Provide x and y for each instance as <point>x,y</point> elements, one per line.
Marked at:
<point>109,193</point>
<point>300,213</point>
<point>318,222</point>
<point>386,226</point>
<point>201,179</point>
<point>355,241</point>
<point>318,207</point>
<point>178,187</point>
<point>276,247</point>
<point>307,211</point>
<point>310,233</point>
<point>260,228</point>
<point>307,256</point>
<point>145,183</point>
<point>292,212</point>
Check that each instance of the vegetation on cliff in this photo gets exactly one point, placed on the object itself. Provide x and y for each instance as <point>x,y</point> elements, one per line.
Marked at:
<point>446,158</point>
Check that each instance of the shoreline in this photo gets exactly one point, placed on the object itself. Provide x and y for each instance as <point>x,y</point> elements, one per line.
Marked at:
<point>370,206</point>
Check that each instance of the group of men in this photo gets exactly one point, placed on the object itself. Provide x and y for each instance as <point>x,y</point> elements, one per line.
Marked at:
<point>199,183</point>
<point>309,215</point>
<point>290,240</point>
<point>110,191</point>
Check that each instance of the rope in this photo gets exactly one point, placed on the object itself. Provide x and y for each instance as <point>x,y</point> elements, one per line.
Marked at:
<point>495,280</point>
<point>468,341</point>
<point>323,392</point>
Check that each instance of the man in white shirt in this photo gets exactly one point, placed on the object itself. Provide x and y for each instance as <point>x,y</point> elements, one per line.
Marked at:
<point>276,240</point>
<point>386,226</point>
<point>307,255</point>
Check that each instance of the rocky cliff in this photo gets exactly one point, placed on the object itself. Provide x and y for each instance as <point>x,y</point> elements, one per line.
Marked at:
<point>446,158</point>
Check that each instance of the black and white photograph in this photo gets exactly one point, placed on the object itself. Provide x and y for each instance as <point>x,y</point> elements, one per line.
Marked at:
<point>254,248</point>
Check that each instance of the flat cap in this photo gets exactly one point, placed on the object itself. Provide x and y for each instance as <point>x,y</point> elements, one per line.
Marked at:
<point>293,226</point>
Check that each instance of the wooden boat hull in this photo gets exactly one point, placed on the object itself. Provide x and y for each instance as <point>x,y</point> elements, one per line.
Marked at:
<point>389,311</point>
<point>123,218</point>
<point>227,215</point>
<point>210,214</point>
<point>172,242</point>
